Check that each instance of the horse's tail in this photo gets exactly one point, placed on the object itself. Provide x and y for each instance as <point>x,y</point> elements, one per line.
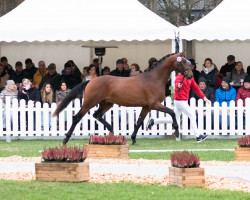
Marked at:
<point>73,94</point>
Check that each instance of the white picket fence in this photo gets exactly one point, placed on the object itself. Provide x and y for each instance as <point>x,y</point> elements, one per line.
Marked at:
<point>25,121</point>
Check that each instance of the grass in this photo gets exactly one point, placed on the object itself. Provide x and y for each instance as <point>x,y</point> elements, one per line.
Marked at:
<point>30,148</point>
<point>60,190</point>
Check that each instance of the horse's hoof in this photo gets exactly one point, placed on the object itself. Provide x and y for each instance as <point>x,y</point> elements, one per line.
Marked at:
<point>133,143</point>
<point>65,141</point>
<point>176,133</point>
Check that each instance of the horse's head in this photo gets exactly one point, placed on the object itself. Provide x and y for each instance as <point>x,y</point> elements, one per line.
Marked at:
<point>184,66</point>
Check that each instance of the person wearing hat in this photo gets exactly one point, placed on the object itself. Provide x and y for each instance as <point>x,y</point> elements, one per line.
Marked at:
<point>10,90</point>
<point>196,73</point>
<point>229,66</point>
<point>206,89</point>
<point>120,71</point>
<point>244,91</point>
<point>225,93</point>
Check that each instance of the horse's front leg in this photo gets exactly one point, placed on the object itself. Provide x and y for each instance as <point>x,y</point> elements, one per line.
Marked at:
<point>139,122</point>
<point>169,111</point>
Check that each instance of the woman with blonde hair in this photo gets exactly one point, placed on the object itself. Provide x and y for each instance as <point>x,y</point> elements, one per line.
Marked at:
<point>47,94</point>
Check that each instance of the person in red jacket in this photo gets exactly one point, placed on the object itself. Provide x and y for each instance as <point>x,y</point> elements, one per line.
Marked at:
<point>181,105</point>
<point>244,91</point>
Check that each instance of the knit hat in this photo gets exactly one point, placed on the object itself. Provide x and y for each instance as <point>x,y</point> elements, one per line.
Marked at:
<point>202,79</point>
<point>8,83</point>
<point>247,79</point>
<point>226,80</point>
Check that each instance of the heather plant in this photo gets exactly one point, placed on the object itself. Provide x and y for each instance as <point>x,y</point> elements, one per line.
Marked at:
<point>64,154</point>
<point>108,140</point>
<point>184,159</point>
<point>244,141</point>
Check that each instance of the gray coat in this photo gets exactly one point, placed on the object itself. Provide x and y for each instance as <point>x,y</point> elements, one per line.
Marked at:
<point>6,92</point>
<point>60,95</point>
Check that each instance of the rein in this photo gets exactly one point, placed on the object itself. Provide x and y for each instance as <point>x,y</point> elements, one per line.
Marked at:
<point>185,73</point>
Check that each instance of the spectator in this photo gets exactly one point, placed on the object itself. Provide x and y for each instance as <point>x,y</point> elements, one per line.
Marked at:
<point>40,73</point>
<point>207,90</point>
<point>244,91</point>
<point>196,73</point>
<point>248,70</point>
<point>68,77</point>
<point>61,94</point>
<point>229,66</point>
<point>75,71</point>
<point>85,73</point>
<point>28,92</point>
<point>106,70</point>
<point>151,62</point>
<point>225,93</point>
<point>119,71</point>
<point>209,73</point>
<point>3,77</point>
<point>18,75</point>
<point>96,64</point>
<point>92,71</point>
<point>134,69</point>
<point>51,77</point>
<point>30,69</point>
<point>47,94</point>
<point>125,60</point>
<point>7,66</point>
<point>237,75</point>
<point>11,91</point>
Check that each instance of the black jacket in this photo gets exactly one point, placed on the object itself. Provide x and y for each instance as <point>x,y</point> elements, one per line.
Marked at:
<point>71,80</point>
<point>227,68</point>
<point>54,80</point>
<point>29,73</point>
<point>208,92</point>
<point>211,77</point>
<point>123,73</point>
<point>30,94</point>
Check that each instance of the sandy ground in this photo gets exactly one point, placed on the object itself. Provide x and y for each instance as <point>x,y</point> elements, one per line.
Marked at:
<point>100,172</point>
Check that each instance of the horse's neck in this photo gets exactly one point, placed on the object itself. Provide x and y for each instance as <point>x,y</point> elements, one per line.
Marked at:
<point>162,73</point>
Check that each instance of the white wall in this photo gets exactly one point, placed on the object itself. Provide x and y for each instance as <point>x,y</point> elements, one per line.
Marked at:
<point>60,52</point>
<point>57,53</point>
<point>219,50</point>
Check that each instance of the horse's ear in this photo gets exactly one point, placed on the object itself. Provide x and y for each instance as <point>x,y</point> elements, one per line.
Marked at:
<point>181,54</point>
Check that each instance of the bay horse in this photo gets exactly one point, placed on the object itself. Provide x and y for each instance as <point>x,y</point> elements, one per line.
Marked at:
<point>146,90</point>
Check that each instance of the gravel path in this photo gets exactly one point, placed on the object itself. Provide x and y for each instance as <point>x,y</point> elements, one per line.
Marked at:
<point>219,175</point>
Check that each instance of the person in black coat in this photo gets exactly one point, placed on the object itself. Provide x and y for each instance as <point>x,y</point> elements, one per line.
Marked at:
<point>53,78</point>
<point>28,92</point>
<point>69,78</point>
<point>229,66</point>
<point>120,71</point>
<point>196,73</point>
<point>30,69</point>
<point>18,75</point>
<point>209,72</point>
<point>206,89</point>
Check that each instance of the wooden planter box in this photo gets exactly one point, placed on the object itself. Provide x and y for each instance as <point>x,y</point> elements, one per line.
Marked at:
<point>242,154</point>
<point>107,151</point>
<point>56,171</point>
<point>187,177</point>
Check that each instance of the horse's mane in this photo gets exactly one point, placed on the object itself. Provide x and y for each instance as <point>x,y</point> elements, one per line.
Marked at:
<point>160,61</point>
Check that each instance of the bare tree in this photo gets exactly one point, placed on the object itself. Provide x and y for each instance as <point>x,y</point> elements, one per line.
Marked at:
<point>181,12</point>
<point>7,5</point>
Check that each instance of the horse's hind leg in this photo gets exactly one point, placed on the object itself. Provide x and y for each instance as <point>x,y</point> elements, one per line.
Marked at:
<point>103,108</point>
<point>169,111</point>
<point>139,122</point>
<point>76,119</point>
